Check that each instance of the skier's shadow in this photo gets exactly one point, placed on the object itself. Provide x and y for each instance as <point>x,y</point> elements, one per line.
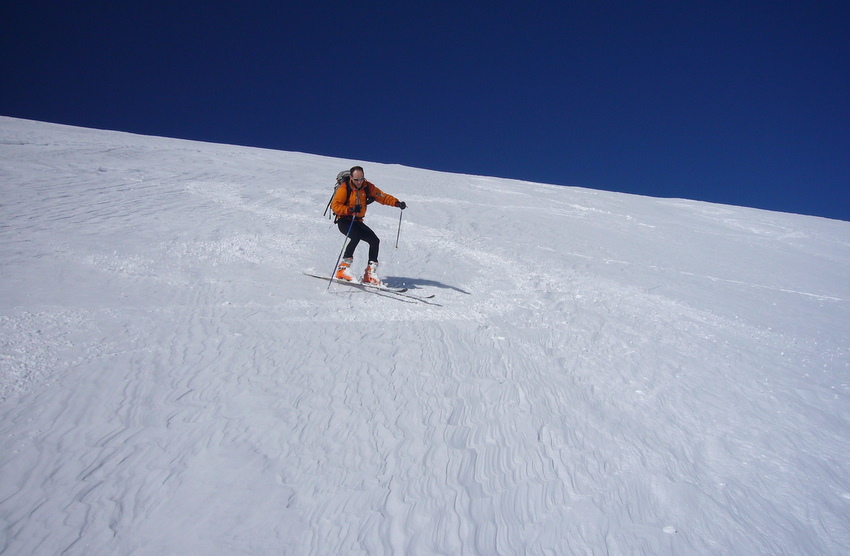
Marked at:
<point>415,283</point>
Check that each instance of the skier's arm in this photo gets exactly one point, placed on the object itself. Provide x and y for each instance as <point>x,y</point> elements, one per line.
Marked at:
<point>338,204</point>
<point>383,198</point>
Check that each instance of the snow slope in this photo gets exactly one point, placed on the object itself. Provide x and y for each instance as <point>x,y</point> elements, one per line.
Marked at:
<point>604,373</point>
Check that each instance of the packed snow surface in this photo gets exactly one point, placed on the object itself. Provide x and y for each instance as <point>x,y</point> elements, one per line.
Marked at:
<point>597,373</point>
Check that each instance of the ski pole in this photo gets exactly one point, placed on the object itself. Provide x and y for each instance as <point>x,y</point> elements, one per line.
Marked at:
<point>400,212</point>
<point>348,233</point>
<point>329,203</point>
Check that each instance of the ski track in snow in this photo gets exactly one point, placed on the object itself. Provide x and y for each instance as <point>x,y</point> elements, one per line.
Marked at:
<point>606,375</point>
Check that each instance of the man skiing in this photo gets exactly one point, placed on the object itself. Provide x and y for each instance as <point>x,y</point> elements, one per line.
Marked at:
<point>349,206</point>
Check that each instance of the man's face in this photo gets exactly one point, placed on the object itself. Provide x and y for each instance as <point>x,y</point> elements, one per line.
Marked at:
<point>357,179</point>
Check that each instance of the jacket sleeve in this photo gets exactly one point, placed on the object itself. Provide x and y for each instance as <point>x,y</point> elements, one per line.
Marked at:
<point>381,197</point>
<point>338,204</point>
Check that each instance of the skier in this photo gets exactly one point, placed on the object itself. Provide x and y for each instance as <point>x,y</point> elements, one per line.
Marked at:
<point>349,206</point>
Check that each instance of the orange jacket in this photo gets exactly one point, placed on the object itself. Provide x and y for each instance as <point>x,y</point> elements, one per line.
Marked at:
<point>343,204</point>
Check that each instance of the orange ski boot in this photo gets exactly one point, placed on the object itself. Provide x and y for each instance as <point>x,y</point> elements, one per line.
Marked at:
<point>371,275</point>
<point>343,272</point>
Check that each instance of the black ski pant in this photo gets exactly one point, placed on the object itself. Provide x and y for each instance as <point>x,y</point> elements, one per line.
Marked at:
<point>359,231</point>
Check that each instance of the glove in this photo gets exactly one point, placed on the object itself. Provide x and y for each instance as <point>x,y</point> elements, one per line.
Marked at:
<point>401,204</point>
<point>356,209</point>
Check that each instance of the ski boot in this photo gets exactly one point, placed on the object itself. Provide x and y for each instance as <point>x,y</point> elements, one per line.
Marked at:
<point>371,275</point>
<point>343,272</point>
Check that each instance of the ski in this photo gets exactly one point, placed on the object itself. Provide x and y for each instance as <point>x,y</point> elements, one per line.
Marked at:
<point>360,284</point>
<point>401,292</point>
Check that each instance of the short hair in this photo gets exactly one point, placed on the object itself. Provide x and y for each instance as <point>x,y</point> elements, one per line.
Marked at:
<point>353,168</point>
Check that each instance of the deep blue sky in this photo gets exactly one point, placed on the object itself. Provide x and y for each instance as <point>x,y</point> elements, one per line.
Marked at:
<point>744,103</point>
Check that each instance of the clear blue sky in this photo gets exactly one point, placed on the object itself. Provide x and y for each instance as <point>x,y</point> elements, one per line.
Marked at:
<point>744,103</point>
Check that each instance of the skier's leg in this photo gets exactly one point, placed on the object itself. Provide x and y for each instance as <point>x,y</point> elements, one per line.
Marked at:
<point>370,237</point>
<point>344,226</point>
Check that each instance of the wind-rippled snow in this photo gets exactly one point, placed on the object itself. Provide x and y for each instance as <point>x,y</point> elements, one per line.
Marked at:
<point>604,373</point>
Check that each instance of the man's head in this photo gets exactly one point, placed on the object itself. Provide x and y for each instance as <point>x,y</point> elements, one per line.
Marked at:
<point>357,178</point>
